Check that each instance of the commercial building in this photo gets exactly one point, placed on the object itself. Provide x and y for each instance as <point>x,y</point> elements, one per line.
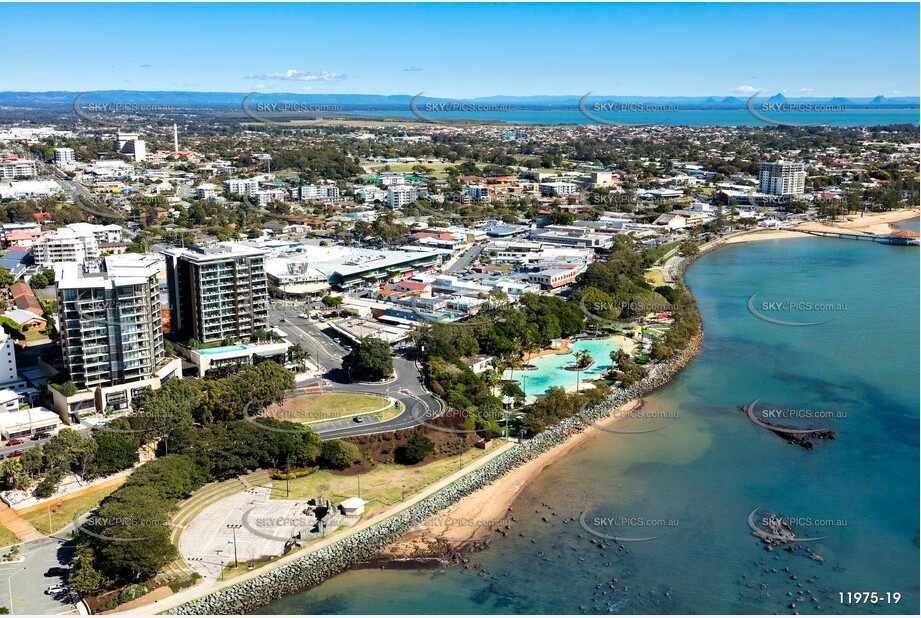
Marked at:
<point>17,168</point>
<point>207,191</point>
<point>63,156</point>
<point>23,189</point>
<point>309,269</point>
<point>217,292</point>
<point>130,144</point>
<point>783,178</point>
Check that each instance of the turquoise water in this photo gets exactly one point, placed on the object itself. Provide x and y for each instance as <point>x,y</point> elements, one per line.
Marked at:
<point>694,118</point>
<point>229,348</point>
<point>551,368</point>
<point>710,466</point>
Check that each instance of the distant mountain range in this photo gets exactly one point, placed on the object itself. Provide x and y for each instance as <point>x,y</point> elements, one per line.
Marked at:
<point>369,101</point>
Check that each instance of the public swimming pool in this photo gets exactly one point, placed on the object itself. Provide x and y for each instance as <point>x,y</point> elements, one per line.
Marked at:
<point>551,369</point>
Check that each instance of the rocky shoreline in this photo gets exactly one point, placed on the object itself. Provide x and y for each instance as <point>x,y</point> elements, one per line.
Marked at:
<point>366,545</point>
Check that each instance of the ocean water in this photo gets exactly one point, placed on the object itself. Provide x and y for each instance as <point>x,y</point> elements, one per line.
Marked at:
<point>691,486</point>
<point>689,117</point>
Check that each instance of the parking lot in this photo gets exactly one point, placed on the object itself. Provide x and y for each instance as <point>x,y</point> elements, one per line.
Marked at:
<point>23,584</point>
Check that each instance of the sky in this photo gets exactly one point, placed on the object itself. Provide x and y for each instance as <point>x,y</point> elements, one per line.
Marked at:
<point>466,50</point>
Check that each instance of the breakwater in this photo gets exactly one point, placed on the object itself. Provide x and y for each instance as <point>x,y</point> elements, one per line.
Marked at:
<point>315,567</point>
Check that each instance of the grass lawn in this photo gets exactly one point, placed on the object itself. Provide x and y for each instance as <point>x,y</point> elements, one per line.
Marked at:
<point>62,512</point>
<point>655,277</point>
<point>7,537</point>
<point>328,406</point>
<point>438,169</point>
<point>35,335</point>
<point>384,485</point>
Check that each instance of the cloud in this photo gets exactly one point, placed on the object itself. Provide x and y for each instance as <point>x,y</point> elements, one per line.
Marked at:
<point>293,75</point>
<point>896,92</point>
<point>145,66</point>
<point>745,90</point>
<point>412,69</point>
<point>806,90</point>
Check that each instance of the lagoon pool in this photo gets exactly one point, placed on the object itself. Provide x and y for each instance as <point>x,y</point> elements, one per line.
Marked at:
<point>551,368</point>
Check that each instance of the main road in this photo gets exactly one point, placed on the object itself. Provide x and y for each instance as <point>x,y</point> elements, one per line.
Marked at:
<point>407,387</point>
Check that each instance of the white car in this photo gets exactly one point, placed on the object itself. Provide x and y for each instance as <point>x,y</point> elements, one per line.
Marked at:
<point>57,588</point>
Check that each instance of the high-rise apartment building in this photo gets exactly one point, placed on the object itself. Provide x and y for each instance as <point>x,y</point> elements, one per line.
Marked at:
<point>783,178</point>
<point>110,320</point>
<point>217,292</point>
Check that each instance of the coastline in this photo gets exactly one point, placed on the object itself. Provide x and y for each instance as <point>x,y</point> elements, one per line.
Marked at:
<point>491,503</point>
<point>876,224</point>
<point>484,493</point>
<point>468,522</point>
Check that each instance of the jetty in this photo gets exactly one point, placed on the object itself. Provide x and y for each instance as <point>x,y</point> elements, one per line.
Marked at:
<point>900,237</point>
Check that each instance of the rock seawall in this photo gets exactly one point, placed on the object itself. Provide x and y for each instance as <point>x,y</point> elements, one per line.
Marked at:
<point>319,565</point>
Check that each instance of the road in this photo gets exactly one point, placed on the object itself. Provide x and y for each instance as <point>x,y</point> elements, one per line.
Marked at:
<point>23,584</point>
<point>465,260</point>
<point>419,406</point>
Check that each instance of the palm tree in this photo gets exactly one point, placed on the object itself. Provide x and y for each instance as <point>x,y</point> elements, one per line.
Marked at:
<point>583,358</point>
<point>492,379</point>
<point>299,356</point>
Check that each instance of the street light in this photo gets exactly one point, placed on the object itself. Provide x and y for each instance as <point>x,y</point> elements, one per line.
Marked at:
<point>233,529</point>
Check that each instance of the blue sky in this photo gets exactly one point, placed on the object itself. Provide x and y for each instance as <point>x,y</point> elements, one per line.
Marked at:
<point>468,50</point>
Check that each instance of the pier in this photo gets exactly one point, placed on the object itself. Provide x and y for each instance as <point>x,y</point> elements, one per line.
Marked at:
<point>901,237</point>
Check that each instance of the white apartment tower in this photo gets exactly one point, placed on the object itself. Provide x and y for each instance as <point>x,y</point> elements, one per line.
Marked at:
<point>783,178</point>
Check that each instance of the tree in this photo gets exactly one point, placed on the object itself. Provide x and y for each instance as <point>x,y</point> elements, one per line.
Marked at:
<point>88,579</point>
<point>332,301</point>
<point>369,360</point>
<point>115,451</point>
<point>418,448</point>
<point>583,359</point>
<point>169,407</point>
<point>6,278</point>
<point>339,455</point>
<point>68,389</point>
<point>299,356</point>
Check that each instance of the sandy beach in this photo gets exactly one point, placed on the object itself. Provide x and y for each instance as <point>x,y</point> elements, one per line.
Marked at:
<point>879,224</point>
<point>472,521</point>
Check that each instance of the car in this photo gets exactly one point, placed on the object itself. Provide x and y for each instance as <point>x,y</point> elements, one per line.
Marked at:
<point>358,419</point>
<point>17,453</point>
<point>56,572</point>
<point>14,443</point>
<point>57,588</point>
<point>282,320</point>
<point>41,435</point>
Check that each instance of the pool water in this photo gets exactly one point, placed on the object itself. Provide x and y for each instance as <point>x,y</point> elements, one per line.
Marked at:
<point>551,369</point>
